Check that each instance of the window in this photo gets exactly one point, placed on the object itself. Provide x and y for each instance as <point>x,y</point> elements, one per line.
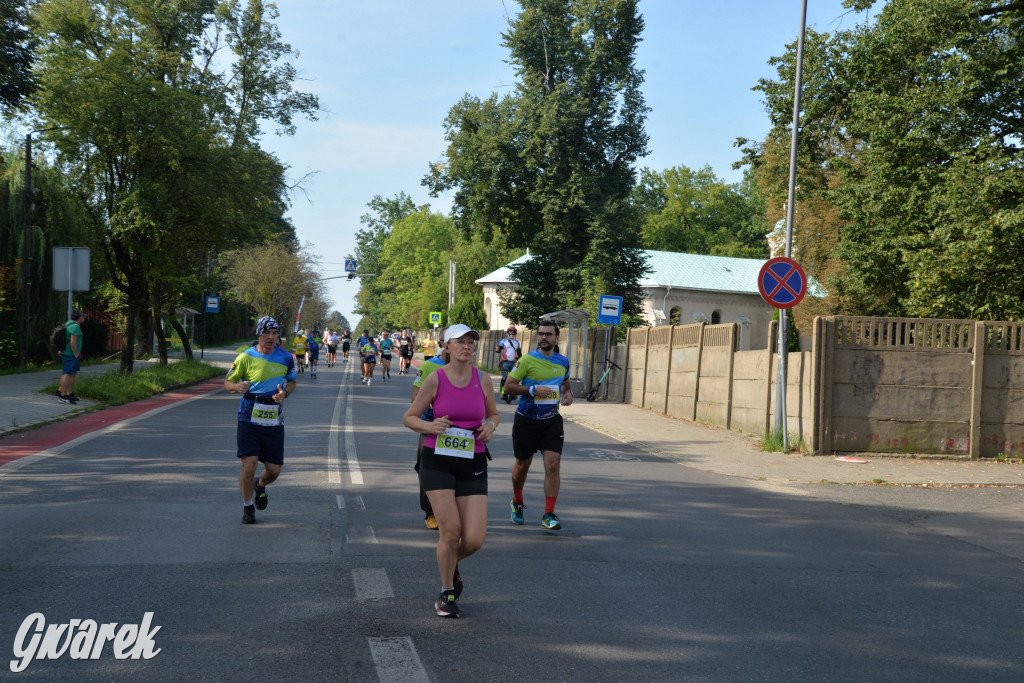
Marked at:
<point>716,317</point>
<point>674,315</point>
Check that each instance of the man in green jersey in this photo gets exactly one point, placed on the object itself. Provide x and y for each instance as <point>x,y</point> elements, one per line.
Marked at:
<point>541,380</point>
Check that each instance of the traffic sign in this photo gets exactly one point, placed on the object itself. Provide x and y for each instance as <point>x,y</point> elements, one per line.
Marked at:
<point>782,282</point>
<point>351,265</point>
<point>212,303</point>
<point>435,317</point>
<point>609,311</point>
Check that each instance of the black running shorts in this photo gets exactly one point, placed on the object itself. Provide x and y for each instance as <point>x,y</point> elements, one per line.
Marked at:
<point>443,472</point>
<point>266,443</point>
<point>530,435</point>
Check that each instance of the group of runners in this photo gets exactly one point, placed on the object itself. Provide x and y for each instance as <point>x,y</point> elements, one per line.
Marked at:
<point>452,408</point>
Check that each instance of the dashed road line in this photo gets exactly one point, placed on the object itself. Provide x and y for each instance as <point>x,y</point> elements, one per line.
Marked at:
<point>372,584</point>
<point>397,661</point>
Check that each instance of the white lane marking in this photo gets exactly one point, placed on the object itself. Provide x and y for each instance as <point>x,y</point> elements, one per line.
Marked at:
<point>372,584</point>
<point>361,534</point>
<point>357,503</point>
<point>397,661</point>
<point>333,463</point>
<point>354,473</point>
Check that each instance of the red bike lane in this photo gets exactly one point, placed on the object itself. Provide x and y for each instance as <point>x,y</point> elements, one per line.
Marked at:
<point>23,444</point>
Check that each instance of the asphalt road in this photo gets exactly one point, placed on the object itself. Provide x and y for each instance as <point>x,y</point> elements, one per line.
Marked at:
<point>662,572</point>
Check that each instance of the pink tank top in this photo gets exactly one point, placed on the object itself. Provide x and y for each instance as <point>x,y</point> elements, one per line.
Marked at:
<point>465,407</point>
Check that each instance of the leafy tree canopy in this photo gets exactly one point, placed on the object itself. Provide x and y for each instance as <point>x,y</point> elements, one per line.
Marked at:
<point>551,166</point>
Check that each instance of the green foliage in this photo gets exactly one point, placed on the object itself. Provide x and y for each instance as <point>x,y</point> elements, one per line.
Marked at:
<point>16,79</point>
<point>912,130</point>
<point>551,166</point>
<point>697,213</point>
<point>161,103</point>
<point>116,387</point>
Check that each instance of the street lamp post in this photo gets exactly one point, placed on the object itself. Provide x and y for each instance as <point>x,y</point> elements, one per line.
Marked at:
<point>781,425</point>
<point>26,262</point>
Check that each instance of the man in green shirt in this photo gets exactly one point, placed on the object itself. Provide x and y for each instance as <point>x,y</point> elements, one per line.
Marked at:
<point>71,356</point>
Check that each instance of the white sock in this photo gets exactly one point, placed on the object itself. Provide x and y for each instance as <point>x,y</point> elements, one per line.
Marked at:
<point>249,502</point>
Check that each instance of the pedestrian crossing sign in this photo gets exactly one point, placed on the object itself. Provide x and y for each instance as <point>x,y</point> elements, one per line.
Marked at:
<point>435,317</point>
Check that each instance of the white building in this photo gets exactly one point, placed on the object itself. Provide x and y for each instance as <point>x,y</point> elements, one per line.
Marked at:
<point>679,289</point>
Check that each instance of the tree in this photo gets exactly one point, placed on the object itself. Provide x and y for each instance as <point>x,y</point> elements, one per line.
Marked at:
<point>914,123</point>
<point>16,79</point>
<point>162,133</point>
<point>551,167</point>
<point>698,213</point>
<point>272,280</point>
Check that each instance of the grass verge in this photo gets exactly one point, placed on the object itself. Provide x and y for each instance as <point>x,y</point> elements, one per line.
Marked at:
<point>772,442</point>
<point>115,388</point>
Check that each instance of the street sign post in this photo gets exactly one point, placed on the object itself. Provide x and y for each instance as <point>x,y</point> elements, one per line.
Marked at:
<point>609,310</point>
<point>783,284</point>
<point>70,271</point>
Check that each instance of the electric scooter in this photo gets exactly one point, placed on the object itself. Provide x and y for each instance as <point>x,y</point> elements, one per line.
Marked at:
<point>592,394</point>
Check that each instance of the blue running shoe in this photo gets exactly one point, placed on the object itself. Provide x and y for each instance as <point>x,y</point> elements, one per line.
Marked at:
<point>550,522</point>
<point>517,513</point>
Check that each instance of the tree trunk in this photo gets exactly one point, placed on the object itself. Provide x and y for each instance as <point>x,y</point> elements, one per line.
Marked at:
<point>128,348</point>
<point>186,346</point>
<point>158,329</point>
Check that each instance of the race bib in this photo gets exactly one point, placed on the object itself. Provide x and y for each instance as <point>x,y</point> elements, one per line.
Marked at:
<point>458,443</point>
<point>549,401</point>
<point>266,414</point>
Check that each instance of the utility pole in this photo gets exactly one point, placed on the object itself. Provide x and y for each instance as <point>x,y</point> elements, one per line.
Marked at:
<point>451,287</point>
<point>26,262</point>
<point>783,374</point>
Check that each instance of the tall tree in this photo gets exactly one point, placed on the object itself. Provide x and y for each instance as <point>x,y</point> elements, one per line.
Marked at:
<point>698,213</point>
<point>914,123</point>
<point>162,131</point>
<point>551,166</point>
<point>16,79</point>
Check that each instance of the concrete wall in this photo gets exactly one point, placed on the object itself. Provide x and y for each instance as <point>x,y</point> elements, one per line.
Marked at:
<point>868,385</point>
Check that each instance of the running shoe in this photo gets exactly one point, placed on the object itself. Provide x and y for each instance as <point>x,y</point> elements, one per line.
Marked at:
<point>64,399</point>
<point>457,582</point>
<point>261,496</point>
<point>431,522</point>
<point>249,514</point>
<point>517,513</point>
<point>74,399</point>
<point>446,605</point>
<point>550,522</point>
<point>369,381</point>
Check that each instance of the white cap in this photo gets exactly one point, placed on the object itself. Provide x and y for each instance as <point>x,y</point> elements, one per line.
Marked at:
<point>460,330</point>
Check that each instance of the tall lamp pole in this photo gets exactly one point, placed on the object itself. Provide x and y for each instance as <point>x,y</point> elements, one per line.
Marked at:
<point>783,374</point>
<point>26,262</point>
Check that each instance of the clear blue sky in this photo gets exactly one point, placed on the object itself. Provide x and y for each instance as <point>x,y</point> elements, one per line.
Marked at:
<point>388,71</point>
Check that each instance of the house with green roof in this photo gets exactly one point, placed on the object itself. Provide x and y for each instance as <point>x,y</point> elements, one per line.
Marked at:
<point>679,289</point>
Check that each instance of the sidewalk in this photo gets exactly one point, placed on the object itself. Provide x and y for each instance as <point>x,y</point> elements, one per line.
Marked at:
<point>693,445</point>
<point>23,406</point>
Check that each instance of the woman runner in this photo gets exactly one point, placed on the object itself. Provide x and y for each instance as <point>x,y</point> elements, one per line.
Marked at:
<point>453,464</point>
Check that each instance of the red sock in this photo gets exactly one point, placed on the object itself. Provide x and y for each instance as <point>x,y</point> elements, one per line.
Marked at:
<point>549,504</point>
<point>517,495</point>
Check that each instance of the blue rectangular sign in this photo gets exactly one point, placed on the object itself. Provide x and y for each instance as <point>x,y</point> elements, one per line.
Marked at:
<point>610,310</point>
<point>212,303</point>
<point>351,265</point>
